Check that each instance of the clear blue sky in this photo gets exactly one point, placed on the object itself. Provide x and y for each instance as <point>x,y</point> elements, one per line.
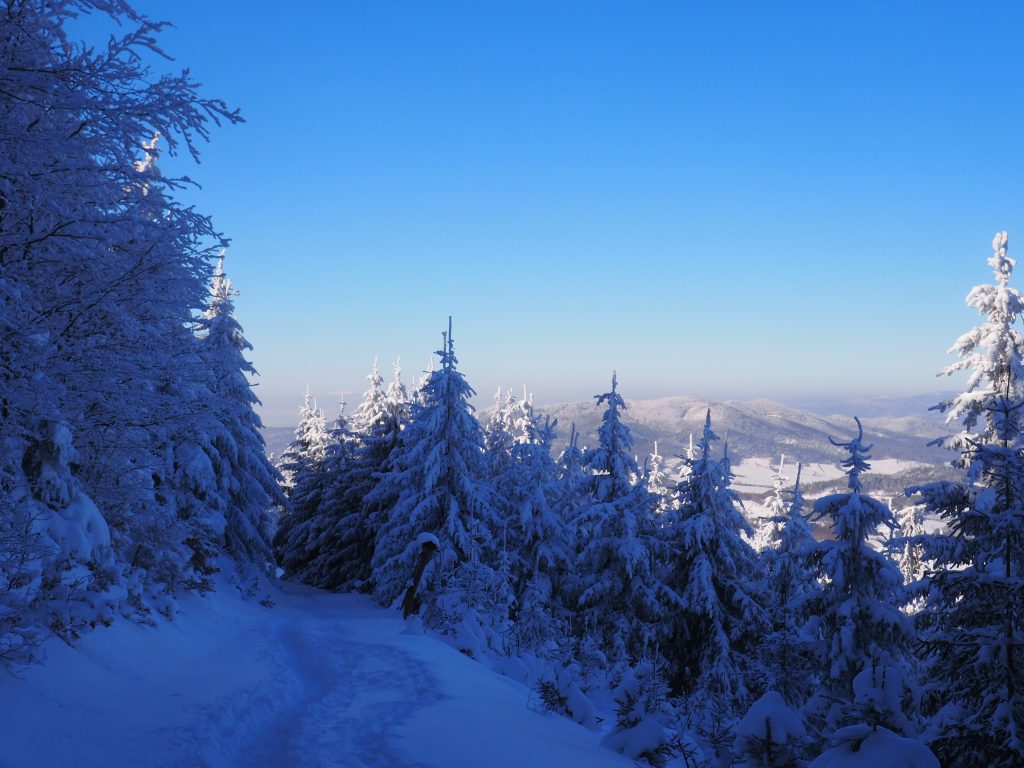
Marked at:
<point>722,199</point>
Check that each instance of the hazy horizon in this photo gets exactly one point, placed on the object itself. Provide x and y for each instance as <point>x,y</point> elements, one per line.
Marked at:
<point>282,410</point>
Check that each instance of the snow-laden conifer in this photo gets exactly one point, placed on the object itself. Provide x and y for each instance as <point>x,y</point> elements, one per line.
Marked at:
<point>715,617</point>
<point>659,484</point>
<point>498,438</point>
<point>248,482</point>
<point>791,573</point>
<point>303,466</point>
<point>768,530</point>
<point>972,624</point>
<point>439,479</point>
<point>856,610</point>
<point>617,581</point>
<point>346,527</point>
<point>543,551</point>
<point>374,406</point>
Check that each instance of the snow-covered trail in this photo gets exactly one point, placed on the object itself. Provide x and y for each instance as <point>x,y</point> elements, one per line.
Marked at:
<point>318,680</point>
<point>333,700</point>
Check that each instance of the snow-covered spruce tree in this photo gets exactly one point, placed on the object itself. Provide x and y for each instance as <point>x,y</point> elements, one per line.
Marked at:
<point>498,439</point>
<point>505,475</point>
<point>311,439</point>
<point>769,526</point>
<point>618,602</point>
<point>660,485</point>
<point>572,481</point>
<point>911,557</point>
<point>972,625</point>
<point>303,466</point>
<point>342,551</point>
<point>249,483</point>
<point>373,408</point>
<point>542,548</point>
<point>374,455</point>
<point>791,574</point>
<point>864,636</point>
<point>397,398</point>
<point>438,476</point>
<point>573,477</point>
<point>109,272</point>
<point>55,555</point>
<point>712,587</point>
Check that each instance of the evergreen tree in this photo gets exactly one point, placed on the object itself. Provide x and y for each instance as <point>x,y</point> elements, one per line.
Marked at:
<point>856,609</point>
<point>309,445</point>
<point>303,466</point>
<point>397,399</point>
<point>791,575</point>
<point>439,479</point>
<point>911,560</point>
<point>374,405</point>
<point>618,588</point>
<point>542,550</point>
<point>715,617</point>
<point>346,536</point>
<point>377,501</point>
<point>972,625</point>
<point>249,483</point>
<point>768,532</point>
<point>659,484</point>
<point>498,438</point>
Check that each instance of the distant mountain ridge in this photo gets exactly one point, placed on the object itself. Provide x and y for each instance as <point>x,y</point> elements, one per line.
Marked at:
<point>756,428</point>
<point>899,428</point>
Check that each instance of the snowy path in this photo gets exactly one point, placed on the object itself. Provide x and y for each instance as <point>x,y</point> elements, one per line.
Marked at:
<point>319,680</point>
<point>348,698</point>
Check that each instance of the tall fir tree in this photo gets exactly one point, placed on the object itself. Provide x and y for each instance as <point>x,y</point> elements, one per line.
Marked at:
<point>862,633</point>
<point>346,534</point>
<point>439,480</point>
<point>972,624</point>
<point>542,550</point>
<point>768,530</point>
<point>302,465</point>
<point>791,574</point>
<point>911,559</point>
<point>715,616</point>
<point>373,407</point>
<point>618,600</point>
<point>248,481</point>
<point>660,485</point>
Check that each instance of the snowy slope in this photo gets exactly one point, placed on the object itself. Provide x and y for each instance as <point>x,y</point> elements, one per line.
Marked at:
<point>318,680</point>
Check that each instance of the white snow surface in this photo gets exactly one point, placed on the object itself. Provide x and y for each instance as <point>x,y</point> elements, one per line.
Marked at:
<point>875,748</point>
<point>770,708</point>
<point>757,475</point>
<point>320,679</point>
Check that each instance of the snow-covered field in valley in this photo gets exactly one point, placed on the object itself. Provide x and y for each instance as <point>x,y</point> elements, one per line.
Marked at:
<point>758,474</point>
<point>320,679</point>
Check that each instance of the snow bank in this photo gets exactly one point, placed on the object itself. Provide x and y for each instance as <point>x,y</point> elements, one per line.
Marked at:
<point>864,747</point>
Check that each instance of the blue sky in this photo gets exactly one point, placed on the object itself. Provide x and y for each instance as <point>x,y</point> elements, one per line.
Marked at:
<point>721,199</point>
